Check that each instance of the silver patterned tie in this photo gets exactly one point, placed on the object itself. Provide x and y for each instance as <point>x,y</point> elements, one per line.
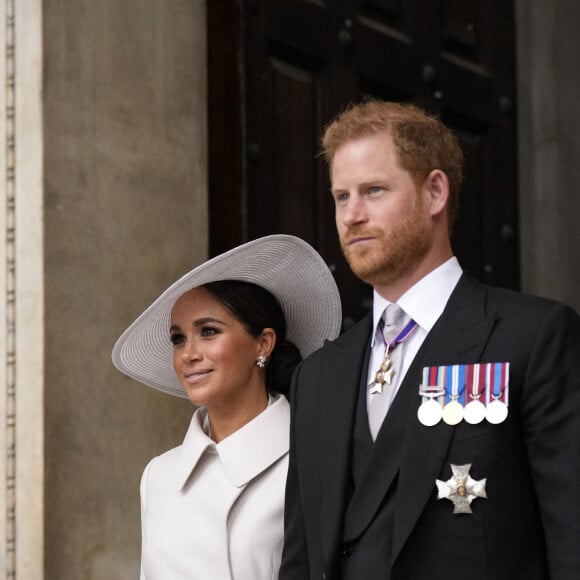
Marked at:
<point>394,320</point>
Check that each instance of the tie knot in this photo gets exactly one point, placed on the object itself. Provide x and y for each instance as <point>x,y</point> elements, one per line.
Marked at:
<point>394,315</point>
<point>395,319</point>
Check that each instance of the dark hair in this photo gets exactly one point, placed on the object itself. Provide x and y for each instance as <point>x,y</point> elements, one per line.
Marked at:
<point>256,309</point>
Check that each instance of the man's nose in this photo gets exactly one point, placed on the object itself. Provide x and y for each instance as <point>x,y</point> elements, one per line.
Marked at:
<point>354,211</point>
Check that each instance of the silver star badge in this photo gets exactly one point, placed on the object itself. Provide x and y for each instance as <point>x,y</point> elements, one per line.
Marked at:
<point>383,375</point>
<point>461,489</point>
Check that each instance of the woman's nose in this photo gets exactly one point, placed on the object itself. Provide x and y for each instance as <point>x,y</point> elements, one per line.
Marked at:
<point>190,351</point>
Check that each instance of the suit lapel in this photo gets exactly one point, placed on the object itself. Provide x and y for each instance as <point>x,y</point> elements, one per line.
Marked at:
<point>337,401</point>
<point>459,337</point>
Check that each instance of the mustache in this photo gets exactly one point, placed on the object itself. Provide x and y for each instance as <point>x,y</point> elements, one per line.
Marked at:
<point>356,232</point>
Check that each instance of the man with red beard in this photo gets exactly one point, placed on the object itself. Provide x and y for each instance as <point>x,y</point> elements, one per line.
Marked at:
<point>439,438</point>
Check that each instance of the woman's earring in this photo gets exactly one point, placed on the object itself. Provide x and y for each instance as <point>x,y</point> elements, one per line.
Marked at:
<point>261,361</point>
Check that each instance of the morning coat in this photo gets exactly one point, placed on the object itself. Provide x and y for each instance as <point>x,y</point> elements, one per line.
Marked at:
<point>528,527</point>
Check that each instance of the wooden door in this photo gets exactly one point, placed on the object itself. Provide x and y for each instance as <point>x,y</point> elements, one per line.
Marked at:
<point>294,64</point>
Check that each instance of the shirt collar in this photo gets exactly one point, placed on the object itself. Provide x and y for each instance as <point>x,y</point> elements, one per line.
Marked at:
<point>246,452</point>
<point>425,301</point>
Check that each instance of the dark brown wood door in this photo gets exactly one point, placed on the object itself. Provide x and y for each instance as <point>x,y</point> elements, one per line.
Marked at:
<point>293,65</point>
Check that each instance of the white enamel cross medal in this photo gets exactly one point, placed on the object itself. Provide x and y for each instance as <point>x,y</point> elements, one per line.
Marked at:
<point>461,489</point>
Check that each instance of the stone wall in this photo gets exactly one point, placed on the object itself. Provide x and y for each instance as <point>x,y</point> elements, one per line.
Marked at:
<point>549,145</point>
<point>125,214</point>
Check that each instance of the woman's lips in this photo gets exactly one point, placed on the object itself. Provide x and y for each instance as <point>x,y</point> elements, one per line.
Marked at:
<point>196,376</point>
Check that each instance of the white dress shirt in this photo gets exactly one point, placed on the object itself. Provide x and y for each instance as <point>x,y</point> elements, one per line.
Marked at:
<point>424,303</point>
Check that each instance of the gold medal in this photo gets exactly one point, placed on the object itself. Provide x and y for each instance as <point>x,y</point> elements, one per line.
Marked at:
<point>453,412</point>
<point>384,374</point>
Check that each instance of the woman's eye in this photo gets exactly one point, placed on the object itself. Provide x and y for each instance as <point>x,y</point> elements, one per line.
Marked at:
<point>208,331</point>
<point>177,338</point>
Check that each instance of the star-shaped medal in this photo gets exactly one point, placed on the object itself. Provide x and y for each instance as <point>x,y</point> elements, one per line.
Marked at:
<point>383,375</point>
<point>461,489</point>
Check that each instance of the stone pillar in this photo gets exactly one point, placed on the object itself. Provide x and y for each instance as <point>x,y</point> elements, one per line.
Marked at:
<point>549,147</point>
<point>103,161</point>
<point>21,292</point>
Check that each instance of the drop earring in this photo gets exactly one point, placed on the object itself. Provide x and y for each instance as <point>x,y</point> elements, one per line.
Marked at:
<point>261,361</point>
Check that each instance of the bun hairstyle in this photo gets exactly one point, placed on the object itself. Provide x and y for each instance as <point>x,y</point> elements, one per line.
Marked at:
<point>256,309</point>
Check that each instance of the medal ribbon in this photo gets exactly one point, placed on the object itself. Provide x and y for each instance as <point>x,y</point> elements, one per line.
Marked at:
<point>497,379</point>
<point>460,370</point>
<point>454,383</point>
<point>475,379</point>
<point>403,335</point>
<point>483,382</point>
<point>433,385</point>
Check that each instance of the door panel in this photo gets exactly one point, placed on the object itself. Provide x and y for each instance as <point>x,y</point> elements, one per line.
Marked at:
<point>301,62</point>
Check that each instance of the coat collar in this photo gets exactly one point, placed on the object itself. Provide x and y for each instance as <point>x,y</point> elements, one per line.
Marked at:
<point>244,454</point>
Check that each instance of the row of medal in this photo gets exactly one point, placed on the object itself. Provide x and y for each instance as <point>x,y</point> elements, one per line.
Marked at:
<point>469,393</point>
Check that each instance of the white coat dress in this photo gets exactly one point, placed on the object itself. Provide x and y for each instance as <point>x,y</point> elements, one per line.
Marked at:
<point>215,511</point>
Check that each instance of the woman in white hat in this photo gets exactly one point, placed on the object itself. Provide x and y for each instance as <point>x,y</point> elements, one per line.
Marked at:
<point>227,335</point>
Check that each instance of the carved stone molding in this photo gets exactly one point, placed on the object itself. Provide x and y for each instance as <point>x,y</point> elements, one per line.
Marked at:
<point>21,426</point>
<point>8,422</point>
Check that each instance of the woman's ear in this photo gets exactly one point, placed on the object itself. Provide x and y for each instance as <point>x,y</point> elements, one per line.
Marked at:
<point>436,187</point>
<point>266,342</point>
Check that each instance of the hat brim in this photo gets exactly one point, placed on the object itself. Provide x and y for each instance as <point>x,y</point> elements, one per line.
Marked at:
<point>286,266</point>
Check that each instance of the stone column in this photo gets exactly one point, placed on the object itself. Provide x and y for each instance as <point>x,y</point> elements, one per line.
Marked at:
<point>103,164</point>
<point>549,147</point>
<point>21,292</point>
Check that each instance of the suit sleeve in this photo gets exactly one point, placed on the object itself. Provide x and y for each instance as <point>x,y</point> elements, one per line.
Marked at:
<point>551,429</point>
<point>295,553</point>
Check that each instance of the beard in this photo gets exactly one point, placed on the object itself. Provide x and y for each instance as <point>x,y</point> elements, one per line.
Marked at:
<point>392,253</point>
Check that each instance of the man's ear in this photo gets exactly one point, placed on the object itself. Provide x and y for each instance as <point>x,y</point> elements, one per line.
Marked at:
<point>436,187</point>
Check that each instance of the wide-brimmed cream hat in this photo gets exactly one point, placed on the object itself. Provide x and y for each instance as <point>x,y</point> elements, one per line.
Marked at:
<point>286,266</point>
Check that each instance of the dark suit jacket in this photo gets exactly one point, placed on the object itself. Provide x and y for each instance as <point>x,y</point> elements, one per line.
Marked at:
<point>529,525</point>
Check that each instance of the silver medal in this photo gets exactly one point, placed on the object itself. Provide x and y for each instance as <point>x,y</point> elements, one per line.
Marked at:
<point>474,412</point>
<point>430,410</point>
<point>496,412</point>
<point>429,413</point>
<point>461,489</point>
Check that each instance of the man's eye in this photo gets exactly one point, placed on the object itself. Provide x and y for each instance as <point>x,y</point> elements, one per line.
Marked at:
<point>341,197</point>
<point>177,338</point>
<point>374,189</point>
